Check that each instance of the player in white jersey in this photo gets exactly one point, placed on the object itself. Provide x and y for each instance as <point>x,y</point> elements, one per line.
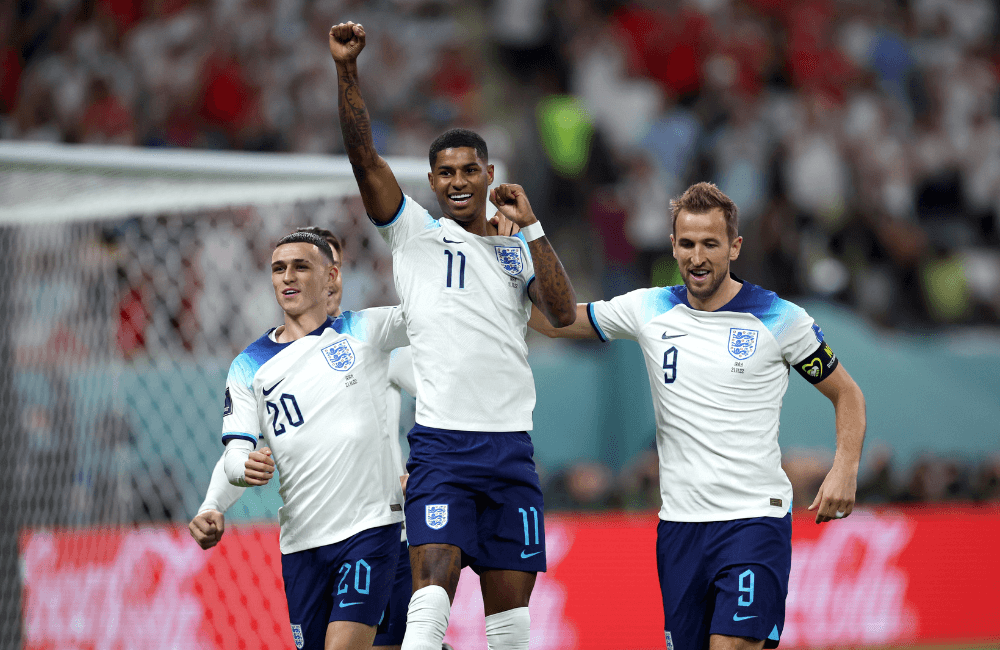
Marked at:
<point>208,525</point>
<point>473,496</point>
<point>314,390</point>
<point>718,352</point>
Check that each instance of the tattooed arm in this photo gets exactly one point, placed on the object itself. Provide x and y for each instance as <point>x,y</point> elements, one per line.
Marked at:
<point>551,291</point>
<point>379,189</point>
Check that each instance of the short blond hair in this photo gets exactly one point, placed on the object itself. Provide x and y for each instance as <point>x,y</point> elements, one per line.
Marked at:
<point>705,197</point>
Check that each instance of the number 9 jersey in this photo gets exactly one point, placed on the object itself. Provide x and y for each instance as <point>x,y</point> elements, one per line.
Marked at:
<point>319,403</point>
<point>717,380</point>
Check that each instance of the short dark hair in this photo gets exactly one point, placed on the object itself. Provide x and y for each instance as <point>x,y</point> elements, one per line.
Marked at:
<point>328,236</point>
<point>455,138</point>
<point>705,197</point>
<point>299,237</point>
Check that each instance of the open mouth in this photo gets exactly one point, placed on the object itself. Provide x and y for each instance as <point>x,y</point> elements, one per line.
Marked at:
<point>460,200</point>
<point>290,292</point>
<point>699,275</point>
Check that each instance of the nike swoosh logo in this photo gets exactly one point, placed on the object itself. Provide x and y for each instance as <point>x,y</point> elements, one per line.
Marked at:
<point>349,604</point>
<point>448,241</point>
<point>673,336</point>
<point>268,391</point>
<point>525,557</point>
<point>737,617</point>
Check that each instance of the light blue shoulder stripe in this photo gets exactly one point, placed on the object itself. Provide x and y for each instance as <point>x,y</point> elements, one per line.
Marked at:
<point>776,314</point>
<point>353,324</point>
<point>248,362</point>
<point>660,300</point>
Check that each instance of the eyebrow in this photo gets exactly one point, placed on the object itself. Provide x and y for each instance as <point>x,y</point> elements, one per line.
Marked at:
<point>294,261</point>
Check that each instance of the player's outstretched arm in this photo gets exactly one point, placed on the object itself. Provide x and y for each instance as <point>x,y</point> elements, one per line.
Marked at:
<point>379,189</point>
<point>835,499</point>
<point>552,292</point>
<point>580,329</point>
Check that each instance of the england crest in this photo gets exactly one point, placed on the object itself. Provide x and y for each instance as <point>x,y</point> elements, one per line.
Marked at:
<point>436,516</point>
<point>742,343</point>
<point>510,259</point>
<point>298,637</point>
<point>340,355</point>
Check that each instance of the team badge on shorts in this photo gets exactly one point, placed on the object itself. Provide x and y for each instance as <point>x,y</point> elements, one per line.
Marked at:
<point>298,637</point>
<point>510,259</point>
<point>436,516</point>
<point>340,355</point>
<point>742,343</point>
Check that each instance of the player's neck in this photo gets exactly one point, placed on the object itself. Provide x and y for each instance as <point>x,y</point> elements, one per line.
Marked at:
<point>478,226</point>
<point>296,327</point>
<point>726,292</point>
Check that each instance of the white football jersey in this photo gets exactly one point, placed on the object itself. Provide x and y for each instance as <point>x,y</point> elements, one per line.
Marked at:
<point>466,306</point>
<point>717,380</point>
<point>319,404</point>
<point>400,379</point>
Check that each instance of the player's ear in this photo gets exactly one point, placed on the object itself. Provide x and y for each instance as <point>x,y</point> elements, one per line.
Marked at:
<point>489,175</point>
<point>673,246</point>
<point>430,179</point>
<point>734,249</point>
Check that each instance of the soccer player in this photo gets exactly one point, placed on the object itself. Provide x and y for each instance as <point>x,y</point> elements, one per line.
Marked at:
<point>473,496</point>
<point>314,390</point>
<point>208,525</point>
<point>718,351</point>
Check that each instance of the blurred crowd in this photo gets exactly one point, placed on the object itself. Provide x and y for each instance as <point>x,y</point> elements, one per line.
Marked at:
<point>929,479</point>
<point>860,139</point>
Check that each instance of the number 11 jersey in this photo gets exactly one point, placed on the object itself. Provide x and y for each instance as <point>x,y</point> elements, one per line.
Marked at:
<point>466,306</point>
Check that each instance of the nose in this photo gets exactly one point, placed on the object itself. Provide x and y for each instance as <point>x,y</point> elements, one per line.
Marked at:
<point>288,275</point>
<point>697,255</point>
<point>459,180</point>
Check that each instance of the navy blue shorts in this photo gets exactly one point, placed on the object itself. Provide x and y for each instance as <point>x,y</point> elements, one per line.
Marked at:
<point>477,491</point>
<point>393,625</point>
<point>724,577</point>
<point>346,581</point>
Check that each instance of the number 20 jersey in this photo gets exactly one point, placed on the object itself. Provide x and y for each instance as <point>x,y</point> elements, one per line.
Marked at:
<point>466,306</point>
<point>319,403</point>
<point>717,380</point>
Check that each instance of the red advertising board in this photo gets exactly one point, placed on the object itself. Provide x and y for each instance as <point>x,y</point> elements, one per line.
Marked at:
<point>880,578</point>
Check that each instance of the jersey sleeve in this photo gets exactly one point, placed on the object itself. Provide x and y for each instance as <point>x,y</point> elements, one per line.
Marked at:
<point>386,327</point>
<point>410,220</point>
<point>401,370</point>
<point>618,318</point>
<point>239,412</point>
<point>798,335</point>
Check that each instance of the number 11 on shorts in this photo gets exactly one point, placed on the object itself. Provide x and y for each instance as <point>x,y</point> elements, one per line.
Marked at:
<point>527,537</point>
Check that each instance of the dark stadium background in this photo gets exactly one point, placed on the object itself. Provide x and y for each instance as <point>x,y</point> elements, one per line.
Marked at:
<point>861,140</point>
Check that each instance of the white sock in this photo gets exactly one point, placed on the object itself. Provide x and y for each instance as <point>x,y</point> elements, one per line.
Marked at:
<point>427,619</point>
<point>509,630</point>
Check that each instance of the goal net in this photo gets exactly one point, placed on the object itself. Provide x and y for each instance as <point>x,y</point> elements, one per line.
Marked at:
<point>129,279</point>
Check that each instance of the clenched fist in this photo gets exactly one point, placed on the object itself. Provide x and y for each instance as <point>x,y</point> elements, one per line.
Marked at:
<point>512,203</point>
<point>346,42</point>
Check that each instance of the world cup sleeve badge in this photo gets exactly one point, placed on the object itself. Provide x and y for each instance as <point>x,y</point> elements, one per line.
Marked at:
<point>510,259</point>
<point>436,515</point>
<point>340,355</point>
<point>742,343</point>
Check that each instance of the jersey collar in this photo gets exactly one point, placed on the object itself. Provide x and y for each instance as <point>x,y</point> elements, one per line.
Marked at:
<point>734,304</point>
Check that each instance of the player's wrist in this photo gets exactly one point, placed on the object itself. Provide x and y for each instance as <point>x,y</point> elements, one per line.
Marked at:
<point>532,231</point>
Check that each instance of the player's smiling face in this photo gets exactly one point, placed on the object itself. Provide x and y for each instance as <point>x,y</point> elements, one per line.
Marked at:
<point>302,278</point>
<point>703,252</point>
<point>461,180</point>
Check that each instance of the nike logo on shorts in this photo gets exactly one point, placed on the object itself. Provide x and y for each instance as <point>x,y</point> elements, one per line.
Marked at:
<point>268,391</point>
<point>349,604</point>
<point>525,557</point>
<point>737,617</point>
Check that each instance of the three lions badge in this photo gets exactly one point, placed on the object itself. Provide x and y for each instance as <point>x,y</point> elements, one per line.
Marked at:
<point>742,343</point>
<point>510,259</point>
<point>436,516</point>
<point>340,355</point>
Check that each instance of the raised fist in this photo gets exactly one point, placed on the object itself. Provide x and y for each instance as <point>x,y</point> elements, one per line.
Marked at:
<point>346,42</point>
<point>512,203</point>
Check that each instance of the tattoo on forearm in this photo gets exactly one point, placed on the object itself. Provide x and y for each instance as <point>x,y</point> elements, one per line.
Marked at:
<point>355,125</point>
<point>552,290</point>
